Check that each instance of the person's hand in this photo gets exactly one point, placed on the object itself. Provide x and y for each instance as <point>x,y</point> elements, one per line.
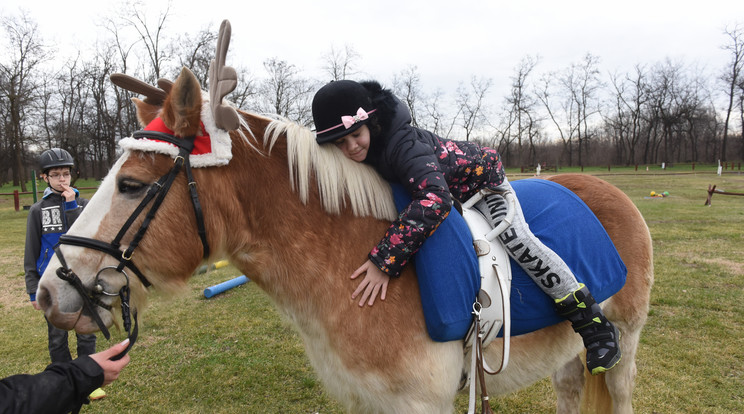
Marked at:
<point>35,305</point>
<point>376,281</point>
<point>111,369</point>
<point>67,192</point>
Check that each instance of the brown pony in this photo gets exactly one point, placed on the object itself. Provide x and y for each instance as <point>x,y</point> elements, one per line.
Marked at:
<point>298,218</point>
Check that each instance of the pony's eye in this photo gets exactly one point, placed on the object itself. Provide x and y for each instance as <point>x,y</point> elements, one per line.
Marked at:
<point>130,186</point>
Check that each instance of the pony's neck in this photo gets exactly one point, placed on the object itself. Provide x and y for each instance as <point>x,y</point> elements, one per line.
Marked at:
<point>296,251</point>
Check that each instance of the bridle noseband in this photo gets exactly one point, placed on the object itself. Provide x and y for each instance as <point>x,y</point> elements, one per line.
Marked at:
<point>156,194</point>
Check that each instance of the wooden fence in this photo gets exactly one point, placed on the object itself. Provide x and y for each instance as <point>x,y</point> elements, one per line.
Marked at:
<point>712,190</point>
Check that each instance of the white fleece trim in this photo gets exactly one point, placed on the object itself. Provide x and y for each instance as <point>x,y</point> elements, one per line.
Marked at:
<point>221,143</point>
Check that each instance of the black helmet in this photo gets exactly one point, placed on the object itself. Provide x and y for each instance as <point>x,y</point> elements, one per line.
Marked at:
<point>55,157</point>
<point>336,100</point>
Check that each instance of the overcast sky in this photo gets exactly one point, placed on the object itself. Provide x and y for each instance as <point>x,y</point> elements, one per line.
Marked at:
<point>448,41</point>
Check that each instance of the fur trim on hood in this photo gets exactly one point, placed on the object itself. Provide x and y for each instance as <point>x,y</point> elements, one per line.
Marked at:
<point>387,106</point>
<point>385,103</point>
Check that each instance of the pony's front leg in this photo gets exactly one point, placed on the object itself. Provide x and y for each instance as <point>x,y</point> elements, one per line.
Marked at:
<point>410,401</point>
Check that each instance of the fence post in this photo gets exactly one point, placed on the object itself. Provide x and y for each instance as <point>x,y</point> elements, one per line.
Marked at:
<point>33,184</point>
<point>16,200</point>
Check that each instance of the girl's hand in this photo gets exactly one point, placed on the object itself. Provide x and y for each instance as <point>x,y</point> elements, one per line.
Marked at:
<point>374,282</point>
<point>111,369</point>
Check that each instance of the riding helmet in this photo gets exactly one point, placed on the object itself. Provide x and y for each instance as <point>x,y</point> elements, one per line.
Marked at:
<point>55,157</point>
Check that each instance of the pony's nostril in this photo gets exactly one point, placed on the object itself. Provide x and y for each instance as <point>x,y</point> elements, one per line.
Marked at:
<point>43,298</point>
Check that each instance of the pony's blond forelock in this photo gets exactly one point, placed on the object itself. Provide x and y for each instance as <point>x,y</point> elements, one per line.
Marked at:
<point>338,178</point>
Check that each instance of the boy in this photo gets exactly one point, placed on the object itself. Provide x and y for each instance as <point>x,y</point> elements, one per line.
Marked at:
<point>48,219</point>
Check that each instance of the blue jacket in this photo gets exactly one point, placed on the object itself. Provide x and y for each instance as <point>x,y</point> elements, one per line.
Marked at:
<point>48,219</point>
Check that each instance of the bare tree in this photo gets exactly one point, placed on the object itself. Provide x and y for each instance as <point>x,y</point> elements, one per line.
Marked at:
<point>195,52</point>
<point>582,83</point>
<point>339,64</point>
<point>103,124</point>
<point>562,114</point>
<point>126,116</point>
<point>72,90</point>
<point>696,117</point>
<point>285,92</point>
<point>578,88</point>
<point>246,92</point>
<point>407,86</point>
<point>627,120</point>
<point>48,95</point>
<point>732,78</point>
<point>741,118</point>
<point>471,104</point>
<point>134,14</point>
<point>666,85</point>
<point>521,120</point>
<point>435,119</point>
<point>18,85</point>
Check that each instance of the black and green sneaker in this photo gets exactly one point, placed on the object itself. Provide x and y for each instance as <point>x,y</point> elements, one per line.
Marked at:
<point>599,334</point>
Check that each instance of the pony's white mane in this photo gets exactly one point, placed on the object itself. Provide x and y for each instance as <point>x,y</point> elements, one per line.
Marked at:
<point>337,176</point>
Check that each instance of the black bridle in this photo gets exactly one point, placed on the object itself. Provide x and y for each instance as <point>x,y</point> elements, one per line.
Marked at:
<point>156,194</point>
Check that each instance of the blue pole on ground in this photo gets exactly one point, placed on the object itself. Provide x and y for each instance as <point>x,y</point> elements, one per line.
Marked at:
<point>219,288</point>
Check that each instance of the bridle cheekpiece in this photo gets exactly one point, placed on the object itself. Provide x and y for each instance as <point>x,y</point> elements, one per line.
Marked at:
<point>156,194</point>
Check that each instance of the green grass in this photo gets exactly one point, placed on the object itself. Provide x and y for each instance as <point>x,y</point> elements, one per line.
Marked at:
<point>234,354</point>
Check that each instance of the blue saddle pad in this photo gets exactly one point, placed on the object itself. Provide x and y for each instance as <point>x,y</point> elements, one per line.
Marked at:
<point>447,267</point>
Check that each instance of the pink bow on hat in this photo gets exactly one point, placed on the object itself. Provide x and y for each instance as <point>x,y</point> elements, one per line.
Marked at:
<point>349,120</point>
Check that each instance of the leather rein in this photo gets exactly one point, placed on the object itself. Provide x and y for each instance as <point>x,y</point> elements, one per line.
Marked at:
<point>157,192</point>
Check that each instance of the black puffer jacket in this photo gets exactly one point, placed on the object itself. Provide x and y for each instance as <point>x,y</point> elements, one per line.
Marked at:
<point>431,168</point>
<point>63,387</point>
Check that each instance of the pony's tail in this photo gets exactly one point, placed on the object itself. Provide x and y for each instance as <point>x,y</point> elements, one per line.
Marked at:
<point>596,396</point>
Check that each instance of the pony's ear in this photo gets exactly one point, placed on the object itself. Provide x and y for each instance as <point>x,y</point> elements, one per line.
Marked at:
<point>182,107</point>
<point>145,111</point>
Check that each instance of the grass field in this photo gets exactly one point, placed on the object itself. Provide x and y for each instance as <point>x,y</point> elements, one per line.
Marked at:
<point>234,354</point>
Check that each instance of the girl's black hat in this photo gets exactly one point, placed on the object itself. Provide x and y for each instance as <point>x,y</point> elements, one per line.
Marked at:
<point>340,108</point>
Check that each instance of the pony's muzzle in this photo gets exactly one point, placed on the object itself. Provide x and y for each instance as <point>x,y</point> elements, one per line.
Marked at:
<point>65,310</point>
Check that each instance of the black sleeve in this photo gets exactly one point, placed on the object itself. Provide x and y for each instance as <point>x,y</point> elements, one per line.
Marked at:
<point>416,166</point>
<point>32,249</point>
<point>60,388</point>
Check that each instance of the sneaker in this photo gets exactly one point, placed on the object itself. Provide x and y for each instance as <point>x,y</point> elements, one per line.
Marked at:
<point>603,355</point>
<point>97,394</point>
<point>599,334</point>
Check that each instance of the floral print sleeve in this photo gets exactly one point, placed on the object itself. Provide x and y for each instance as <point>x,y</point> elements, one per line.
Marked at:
<point>417,168</point>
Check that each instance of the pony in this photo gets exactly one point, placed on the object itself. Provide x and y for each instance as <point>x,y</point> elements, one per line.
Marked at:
<point>298,218</point>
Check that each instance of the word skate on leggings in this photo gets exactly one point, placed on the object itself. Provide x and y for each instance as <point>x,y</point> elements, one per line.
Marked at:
<point>572,299</point>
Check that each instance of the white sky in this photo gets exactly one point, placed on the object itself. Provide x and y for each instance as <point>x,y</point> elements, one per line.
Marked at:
<point>448,40</point>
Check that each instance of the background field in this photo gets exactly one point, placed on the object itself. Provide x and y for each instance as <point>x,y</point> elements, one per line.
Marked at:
<point>234,354</point>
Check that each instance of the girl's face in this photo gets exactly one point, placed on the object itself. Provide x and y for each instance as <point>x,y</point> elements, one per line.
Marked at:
<point>355,145</point>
